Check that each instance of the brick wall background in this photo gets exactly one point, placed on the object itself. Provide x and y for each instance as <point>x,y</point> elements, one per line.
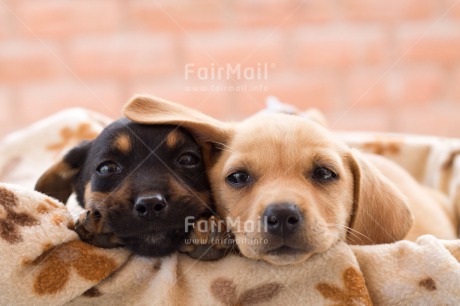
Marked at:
<point>387,65</point>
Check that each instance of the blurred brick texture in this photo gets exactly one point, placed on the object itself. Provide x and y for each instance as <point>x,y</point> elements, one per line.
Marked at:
<point>385,65</point>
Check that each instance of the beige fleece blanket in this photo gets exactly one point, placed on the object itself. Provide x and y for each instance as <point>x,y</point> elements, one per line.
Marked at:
<point>43,262</point>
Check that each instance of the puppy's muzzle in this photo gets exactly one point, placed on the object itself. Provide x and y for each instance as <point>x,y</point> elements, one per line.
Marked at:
<point>282,219</point>
<point>150,205</point>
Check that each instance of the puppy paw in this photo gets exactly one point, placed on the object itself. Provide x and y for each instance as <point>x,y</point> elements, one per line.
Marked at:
<point>92,229</point>
<point>209,240</point>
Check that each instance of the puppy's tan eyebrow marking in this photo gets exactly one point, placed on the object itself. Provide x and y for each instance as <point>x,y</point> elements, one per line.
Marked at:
<point>123,143</point>
<point>173,138</point>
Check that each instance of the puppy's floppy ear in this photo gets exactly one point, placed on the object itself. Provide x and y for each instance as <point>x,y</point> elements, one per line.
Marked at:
<point>58,180</point>
<point>153,110</point>
<point>211,134</point>
<point>380,213</point>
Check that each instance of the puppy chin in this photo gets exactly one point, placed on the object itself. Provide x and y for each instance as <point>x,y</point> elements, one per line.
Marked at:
<point>278,253</point>
<point>287,258</point>
<point>156,244</point>
<point>283,260</point>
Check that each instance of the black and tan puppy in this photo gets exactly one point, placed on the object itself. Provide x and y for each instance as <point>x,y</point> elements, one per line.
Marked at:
<point>139,183</point>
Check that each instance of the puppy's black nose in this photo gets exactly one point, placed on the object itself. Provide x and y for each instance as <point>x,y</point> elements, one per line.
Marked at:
<point>149,205</point>
<point>282,219</point>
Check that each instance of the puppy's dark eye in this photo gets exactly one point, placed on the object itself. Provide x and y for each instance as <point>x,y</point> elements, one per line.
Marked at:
<point>188,160</point>
<point>322,174</point>
<point>108,167</point>
<point>239,179</point>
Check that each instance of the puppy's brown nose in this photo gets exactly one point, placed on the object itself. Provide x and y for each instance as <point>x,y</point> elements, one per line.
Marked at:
<point>282,219</point>
<point>146,206</point>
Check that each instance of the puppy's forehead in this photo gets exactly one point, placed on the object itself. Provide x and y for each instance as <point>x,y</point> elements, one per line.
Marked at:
<point>280,130</point>
<point>126,138</point>
<point>272,144</point>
